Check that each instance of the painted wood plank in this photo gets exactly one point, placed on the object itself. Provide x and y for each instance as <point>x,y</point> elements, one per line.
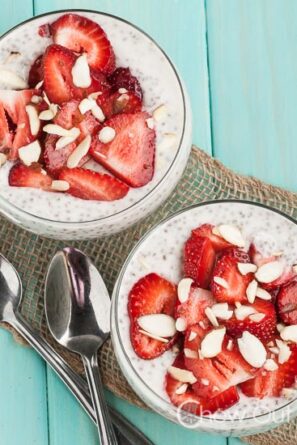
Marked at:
<point>23,404</point>
<point>253,71</point>
<point>14,12</point>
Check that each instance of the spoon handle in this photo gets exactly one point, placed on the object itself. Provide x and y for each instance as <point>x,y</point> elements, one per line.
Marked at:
<point>105,429</point>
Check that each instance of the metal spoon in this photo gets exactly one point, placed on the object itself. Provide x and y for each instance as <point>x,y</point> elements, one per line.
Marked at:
<point>78,313</point>
<point>10,298</point>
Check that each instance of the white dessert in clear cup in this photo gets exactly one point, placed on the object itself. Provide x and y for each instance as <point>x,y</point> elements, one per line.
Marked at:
<point>63,216</point>
<point>160,251</point>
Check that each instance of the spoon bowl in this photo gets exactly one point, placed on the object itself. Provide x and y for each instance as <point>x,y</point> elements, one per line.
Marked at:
<point>10,290</point>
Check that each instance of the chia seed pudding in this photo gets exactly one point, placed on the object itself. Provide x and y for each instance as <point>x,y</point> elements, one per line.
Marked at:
<point>161,252</point>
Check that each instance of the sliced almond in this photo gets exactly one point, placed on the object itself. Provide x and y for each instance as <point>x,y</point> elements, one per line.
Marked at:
<point>201,324</point>
<point>252,349</point>
<point>211,344</point>
<point>106,134</point>
<point>245,268</point>
<point>30,153</point>
<point>80,151</point>
<point>150,123</point>
<point>289,333</point>
<point>251,291</point>
<point>160,113</point>
<point>221,310</point>
<point>97,112</point>
<point>182,375</point>
<point>36,99</point>
<point>243,312</point>
<point>183,289</point>
<point>278,253</point>
<point>221,282</point>
<point>122,90</point>
<point>232,234</point>
<point>46,115</point>
<point>167,141</point>
<point>263,294</point>
<point>181,389</point>
<point>63,142</point>
<point>280,327</point>
<point>39,85</point>
<point>216,231</point>
<point>237,304</point>
<point>46,99</point>
<point>56,129</point>
<point>284,351</point>
<point>274,350</point>
<point>34,120</point>
<point>205,382</point>
<point>192,335</point>
<point>270,365</point>
<point>81,72</point>
<point>155,337</point>
<point>60,185</point>
<point>85,105</point>
<point>161,325</point>
<point>12,80</point>
<point>230,344</point>
<point>95,95</point>
<point>180,324</point>
<point>189,353</point>
<point>257,317</point>
<point>211,316</point>
<point>3,159</point>
<point>269,272</point>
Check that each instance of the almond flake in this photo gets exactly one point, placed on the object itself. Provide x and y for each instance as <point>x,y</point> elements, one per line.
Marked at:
<point>80,151</point>
<point>34,121</point>
<point>56,129</point>
<point>269,272</point>
<point>221,310</point>
<point>161,325</point>
<point>245,268</point>
<point>211,344</point>
<point>38,85</point>
<point>182,375</point>
<point>211,316</point>
<point>289,333</point>
<point>81,72</point>
<point>252,349</point>
<point>279,253</point>
<point>122,90</point>
<point>231,234</point>
<point>243,312</point>
<point>257,317</point>
<point>36,99</point>
<point>106,135</point>
<point>160,113</point>
<point>46,99</point>
<point>237,304</point>
<point>12,80</point>
<point>180,324</point>
<point>181,389</point>
<point>175,349</point>
<point>280,327</point>
<point>201,324</point>
<point>167,141</point>
<point>60,186</point>
<point>150,123</point>
<point>155,337</point>
<point>192,335</point>
<point>288,393</point>
<point>46,115</point>
<point>230,345</point>
<point>95,95</point>
<point>123,98</point>
<point>270,365</point>
<point>205,382</point>
<point>251,291</point>
<point>284,351</point>
<point>216,231</point>
<point>274,350</point>
<point>189,353</point>
<point>97,112</point>
<point>221,282</point>
<point>86,105</point>
<point>263,294</point>
<point>183,289</point>
<point>3,159</point>
<point>65,140</point>
<point>30,153</point>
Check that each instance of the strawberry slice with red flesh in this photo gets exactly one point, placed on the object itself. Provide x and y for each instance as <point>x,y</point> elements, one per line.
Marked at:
<point>271,383</point>
<point>189,401</point>
<point>264,329</point>
<point>82,35</point>
<point>6,135</point>
<point>227,269</point>
<point>123,78</point>
<point>206,230</point>
<point>287,303</point>
<point>117,103</point>
<point>36,72</point>
<point>217,374</point>
<point>23,176</point>
<point>130,155</point>
<point>193,310</point>
<point>199,260</point>
<point>54,159</point>
<point>90,185</point>
<point>152,294</point>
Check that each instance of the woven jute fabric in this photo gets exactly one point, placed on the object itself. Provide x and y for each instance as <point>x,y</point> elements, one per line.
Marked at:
<point>204,179</point>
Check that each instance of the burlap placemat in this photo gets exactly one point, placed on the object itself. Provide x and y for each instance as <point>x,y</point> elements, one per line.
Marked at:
<point>204,179</point>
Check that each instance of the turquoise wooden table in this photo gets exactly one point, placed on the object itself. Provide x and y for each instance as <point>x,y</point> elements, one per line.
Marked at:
<point>238,59</point>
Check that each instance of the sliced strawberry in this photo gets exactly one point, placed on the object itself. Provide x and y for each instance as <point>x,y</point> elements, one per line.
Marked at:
<point>81,34</point>
<point>199,259</point>
<point>22,176</point>
<point>206,231</point>
<point>217,374</point>
<point>240,255</point>
<point>5,133</point>
<point>36,72</point>
<point>263,329</point>
<point>87,184</point>
<point>54,159</point>
<point>189,401</point>
<point>44,30</point>
<point>122,78</point>
<point>227,269</point>
<point>117,103</point>
<point>193,310</point>
<point>152,294</point>
<point>287,303</point>
<point>130,155</point>
<point>271,383</point>
<point>257,257</point>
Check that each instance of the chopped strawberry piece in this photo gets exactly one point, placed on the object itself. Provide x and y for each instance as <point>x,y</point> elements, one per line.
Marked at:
<point>240,255</point>
<point>206,231</point>
<point>122,78</point>
<point>271,383</point>
<point>189,401</point>
<point>219,373</point>
<point>193,310</point>
<point>287,303</point>
<point>54,159</point>
<point>22,176</point>
<point>199,259</point>
<point>263,329</point>
<point>226,268</point>
<point>5,133</point>
<point>130,155</point>
<point>44,30</point>
<point>88,184</point>
<point>36,72</point>
<point>152,294</point>
<point>81,34</point>
<point>117,103</point>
